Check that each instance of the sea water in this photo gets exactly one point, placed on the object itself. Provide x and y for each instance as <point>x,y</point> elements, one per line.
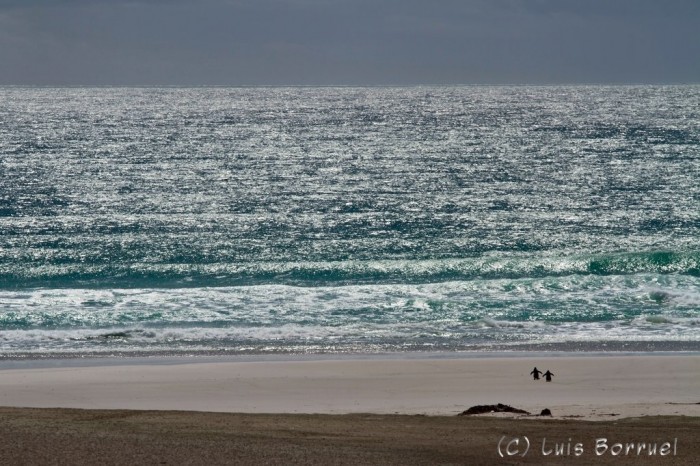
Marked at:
<point>348,220</point>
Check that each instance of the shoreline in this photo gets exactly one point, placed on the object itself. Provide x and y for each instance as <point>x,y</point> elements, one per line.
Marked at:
<point>588,387</point>
<point>570,348</point>
<point>164,358</point>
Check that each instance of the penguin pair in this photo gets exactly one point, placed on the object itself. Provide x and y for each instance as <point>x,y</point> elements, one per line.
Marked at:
<point>536,375</point>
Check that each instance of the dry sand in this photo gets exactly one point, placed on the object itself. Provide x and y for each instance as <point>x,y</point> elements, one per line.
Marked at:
<point>71,437</point>
<point>613,391</point>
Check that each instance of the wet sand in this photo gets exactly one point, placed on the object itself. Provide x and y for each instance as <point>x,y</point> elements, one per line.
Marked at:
<point>591,387</point>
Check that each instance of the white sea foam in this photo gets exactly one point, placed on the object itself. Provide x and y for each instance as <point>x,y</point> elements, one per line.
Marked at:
<point>280,317</point>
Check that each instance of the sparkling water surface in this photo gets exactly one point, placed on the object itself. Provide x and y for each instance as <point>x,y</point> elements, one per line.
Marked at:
<point>312,220</point>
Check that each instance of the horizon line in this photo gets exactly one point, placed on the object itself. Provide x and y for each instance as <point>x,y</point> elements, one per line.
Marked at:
<point>245,86</point>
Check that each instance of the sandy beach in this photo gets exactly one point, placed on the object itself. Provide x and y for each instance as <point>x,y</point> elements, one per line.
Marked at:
<point>587,387</point>
<point>55,436</point>
<point>371,411</point>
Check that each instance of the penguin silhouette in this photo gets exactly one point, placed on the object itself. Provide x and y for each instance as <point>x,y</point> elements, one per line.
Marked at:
<point>535,374</point>
<point>548,376</point>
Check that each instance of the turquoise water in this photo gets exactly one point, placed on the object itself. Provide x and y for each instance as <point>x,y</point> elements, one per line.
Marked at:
<point>361,220</point>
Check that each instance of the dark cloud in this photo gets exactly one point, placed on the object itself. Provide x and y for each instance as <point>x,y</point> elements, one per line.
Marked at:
<point>25,4</point>
<point>233,42</point>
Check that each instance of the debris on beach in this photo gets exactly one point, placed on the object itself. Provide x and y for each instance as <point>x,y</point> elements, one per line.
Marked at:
<point>546,412</point>
<point>485,409</point>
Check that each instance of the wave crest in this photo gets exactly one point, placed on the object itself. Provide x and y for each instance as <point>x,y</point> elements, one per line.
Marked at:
<point>349,272</point>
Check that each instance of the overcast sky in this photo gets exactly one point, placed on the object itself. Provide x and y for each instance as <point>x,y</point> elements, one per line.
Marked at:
<point>348,42</point>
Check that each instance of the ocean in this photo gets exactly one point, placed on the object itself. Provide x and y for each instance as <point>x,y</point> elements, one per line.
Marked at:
<point>343,220</point>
